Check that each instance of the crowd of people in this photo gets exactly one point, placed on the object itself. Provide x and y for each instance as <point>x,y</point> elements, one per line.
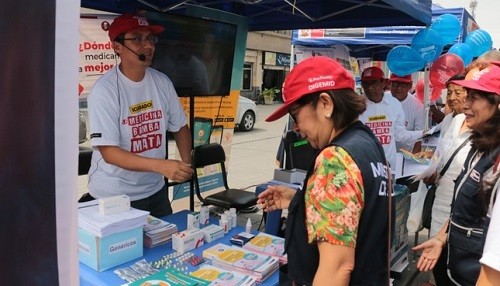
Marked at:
<point>339,224</point>
<point>330,213</point>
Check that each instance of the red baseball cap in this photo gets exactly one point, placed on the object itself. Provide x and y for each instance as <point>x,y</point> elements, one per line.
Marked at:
<point>406,78</point>
<point>372,73</point>
<point>487,80</point>
<point>129,22</point>
<point>309,76</point>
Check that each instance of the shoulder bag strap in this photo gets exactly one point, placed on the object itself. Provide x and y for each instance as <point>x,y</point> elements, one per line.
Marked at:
<point>389,218</point>
<point>451,157</point>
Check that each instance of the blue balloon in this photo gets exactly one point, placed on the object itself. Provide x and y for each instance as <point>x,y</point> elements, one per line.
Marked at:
<point>427,43</point>
<point>403,60</point>
<point>447,26</point>
<point>462,50</point>
<point>480,42</point>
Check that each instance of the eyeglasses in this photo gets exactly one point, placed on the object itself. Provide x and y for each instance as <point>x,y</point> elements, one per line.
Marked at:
<point>152,39</point>
<point>292,112</point>
<point>397,84</point>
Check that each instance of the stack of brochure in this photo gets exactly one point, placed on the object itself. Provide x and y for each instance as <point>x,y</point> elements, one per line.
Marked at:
<point>90,220</point>
<point>157,231</point>
<point>170,277</point>
<point>233,258</point>
<point>268,244</point>
<point>220,276</point>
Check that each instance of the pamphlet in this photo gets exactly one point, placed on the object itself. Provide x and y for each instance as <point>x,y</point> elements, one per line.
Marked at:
<point>268,244</point>
<point>170,277</point>
<point>223,277</point>
<point>235,258</point>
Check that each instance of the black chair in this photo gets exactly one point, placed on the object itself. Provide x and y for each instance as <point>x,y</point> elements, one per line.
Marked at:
<point>211,154</point>
<point>299,154</point>
<point>84,159</point>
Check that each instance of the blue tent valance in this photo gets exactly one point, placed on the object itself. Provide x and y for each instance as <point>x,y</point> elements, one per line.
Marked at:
<point>288,15</point>
<point>376,42</point>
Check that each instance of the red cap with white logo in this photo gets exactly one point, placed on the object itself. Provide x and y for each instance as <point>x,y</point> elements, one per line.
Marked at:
<point>129,22</point>
<point>309,76</point>
<point>487,80</point>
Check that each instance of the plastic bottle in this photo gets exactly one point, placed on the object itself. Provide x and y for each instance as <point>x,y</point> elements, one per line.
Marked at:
<point>224,223</point>
<point>232,211</point>
<point>248,227</point>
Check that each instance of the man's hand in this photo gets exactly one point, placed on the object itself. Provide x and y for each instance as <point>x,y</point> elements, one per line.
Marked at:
<point>176,170</point>
<point>275,197</point>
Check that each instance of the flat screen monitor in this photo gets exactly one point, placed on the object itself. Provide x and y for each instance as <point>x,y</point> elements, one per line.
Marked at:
<point>196,54</point>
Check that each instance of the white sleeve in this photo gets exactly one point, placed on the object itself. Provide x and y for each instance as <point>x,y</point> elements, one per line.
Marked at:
<point>420,116</point>
<point>104,114</point>
<point>491,251</point>
<point>402,135</point>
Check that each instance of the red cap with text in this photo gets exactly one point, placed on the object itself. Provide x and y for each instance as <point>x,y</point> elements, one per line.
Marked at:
<point>397,78</point>
<point>372,73</point>
<point>128,22</point>
<point>312,75</point>
<point>487,80</point>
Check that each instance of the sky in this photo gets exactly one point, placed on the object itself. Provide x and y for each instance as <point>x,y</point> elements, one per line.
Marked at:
<point>487,15</point>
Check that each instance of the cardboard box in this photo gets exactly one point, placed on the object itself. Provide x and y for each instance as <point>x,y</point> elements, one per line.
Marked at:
<point>102,253</point>
<point>293,176</point>
<point>187,240</point>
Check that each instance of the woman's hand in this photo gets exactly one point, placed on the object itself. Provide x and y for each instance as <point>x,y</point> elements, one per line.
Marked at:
<point>430,180</point>
<point>275,197</point>
<point>432,249</point>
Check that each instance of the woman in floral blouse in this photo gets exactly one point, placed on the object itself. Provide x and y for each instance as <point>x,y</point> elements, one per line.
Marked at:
<point>337,227</point>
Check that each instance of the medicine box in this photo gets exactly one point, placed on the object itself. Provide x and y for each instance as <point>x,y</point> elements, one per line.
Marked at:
<point>102,253</point>
<point>187,240</point>
<point>212,232</point>
<point>113,205</point>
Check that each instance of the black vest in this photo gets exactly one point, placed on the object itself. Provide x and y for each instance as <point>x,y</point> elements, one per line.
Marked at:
<point>371,246</point>
<point>467,209</point>
<point>469,224</point>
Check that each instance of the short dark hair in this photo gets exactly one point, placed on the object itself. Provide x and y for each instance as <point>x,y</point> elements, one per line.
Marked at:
<point>458,76</point>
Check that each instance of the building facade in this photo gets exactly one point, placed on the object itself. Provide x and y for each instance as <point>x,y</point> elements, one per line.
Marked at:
<point>267,62</point>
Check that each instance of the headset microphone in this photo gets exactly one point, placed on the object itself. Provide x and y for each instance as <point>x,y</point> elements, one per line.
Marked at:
<point>141,57</point>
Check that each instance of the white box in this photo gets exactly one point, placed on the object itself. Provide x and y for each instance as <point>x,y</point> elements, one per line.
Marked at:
<point>102,253</point>
<point>212,232</point>
<point>293,176</point>
<point>113,205</point>
<point>193,220</point>
<point>187,240</point>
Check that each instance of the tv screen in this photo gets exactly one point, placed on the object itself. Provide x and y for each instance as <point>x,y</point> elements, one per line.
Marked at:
<point>196,54</point>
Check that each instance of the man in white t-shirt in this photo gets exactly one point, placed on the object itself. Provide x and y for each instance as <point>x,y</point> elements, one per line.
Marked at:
<point>384,114</point>
<point>131,108</point>
<point>412,107</point>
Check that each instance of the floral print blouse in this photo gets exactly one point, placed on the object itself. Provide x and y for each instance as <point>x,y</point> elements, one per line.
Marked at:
<point>334,198</point>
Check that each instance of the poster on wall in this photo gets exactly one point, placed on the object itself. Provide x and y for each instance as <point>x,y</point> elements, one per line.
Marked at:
<point>95,50</point>
<point>339,53</point>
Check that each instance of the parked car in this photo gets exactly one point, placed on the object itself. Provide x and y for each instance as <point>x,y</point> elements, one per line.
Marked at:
<point>246,116</point>
<point>82,135</point>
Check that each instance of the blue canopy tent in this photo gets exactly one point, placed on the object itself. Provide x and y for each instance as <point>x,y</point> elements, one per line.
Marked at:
<point>376,42</point>
<point>288,15</point>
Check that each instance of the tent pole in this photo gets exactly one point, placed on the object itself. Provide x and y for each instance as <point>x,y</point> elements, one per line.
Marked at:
<point>427,100</point>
